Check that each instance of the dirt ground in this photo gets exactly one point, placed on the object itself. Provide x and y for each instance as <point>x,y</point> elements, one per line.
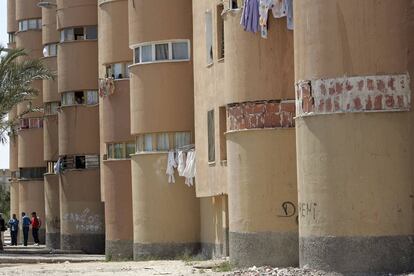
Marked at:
<point>172,268</point>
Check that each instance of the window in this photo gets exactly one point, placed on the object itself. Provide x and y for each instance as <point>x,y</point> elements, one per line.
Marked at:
<point>130,149</point>
<point>165,141</point>
<point>12,38</point>
<point>182,139</point>
<point>211,136</point>
<point>28,123</point>
<point>137,55</point>
<point>80,162</point>
<point>120,150</point>
<point>159,52</point>
<point>51,108</point>
<point>50,50</point>
<point>89,97</point>
<point>209,37</point>
<point>223,129</point>
<point>92,97</point>
<point>30,24</point>
<point>220,31</point>
<point>118,70</point>
<point>146,53</point>
<point>79,33</point>
<point>180,51</point>
<point>32,173</point>
<point>91,32</point>
<point>91,161</point>
<point>51,166</point>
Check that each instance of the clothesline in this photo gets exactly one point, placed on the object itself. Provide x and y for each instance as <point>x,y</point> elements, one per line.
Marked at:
<point>255,14</point>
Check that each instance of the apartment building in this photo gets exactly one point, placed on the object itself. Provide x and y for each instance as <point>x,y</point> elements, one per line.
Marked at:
<point>117,143</point>
<point>82,223</point>
<point>166,215</point>
<point>51,104</point>
<point>30,160</point>
<point>354,134</point>
<point>300,132</point>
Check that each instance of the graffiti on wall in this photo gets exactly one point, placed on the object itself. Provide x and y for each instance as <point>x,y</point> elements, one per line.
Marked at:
<point>85,221</point>
<point>288,210</point>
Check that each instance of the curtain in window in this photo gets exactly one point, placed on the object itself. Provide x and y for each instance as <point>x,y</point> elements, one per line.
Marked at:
<point>136,55</point>
<point>117,69</point>
<point>146,54</point>
<point>118,151</point>
<point>68,98</point>
<point>180,50</point>
<point>148,142</point>
<point>130,149</point>
<point>32,24</point>
<point>211,137</point>
<point>161,51</point>
<point>182,139</point>
<point>92,97</point>
<point>110,151</point>
<point>140,143</point>
<point>163,142</point>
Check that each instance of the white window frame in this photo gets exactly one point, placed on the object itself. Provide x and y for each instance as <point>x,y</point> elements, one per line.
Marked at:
<point>153,52</point>
<point>85,98</point>
<point>47,49</point>
<point>63,38</point>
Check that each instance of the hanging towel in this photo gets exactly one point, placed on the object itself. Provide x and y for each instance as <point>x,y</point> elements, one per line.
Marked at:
<point>250,16</point>
<point>190,169</point>
<point>170,167</point>
<point>58,166</point>
<point>181,163</point>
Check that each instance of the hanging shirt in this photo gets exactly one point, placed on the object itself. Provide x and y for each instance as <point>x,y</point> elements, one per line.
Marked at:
<point>289,11</point>
<point>250,16</point>
<point>264,7</point>
<point>171,165</point>
<point>181,163</point>
<point>190,168</point>
<point>279,9</point>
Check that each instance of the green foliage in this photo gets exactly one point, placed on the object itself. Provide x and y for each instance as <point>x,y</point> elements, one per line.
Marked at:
<point>17,72</point>
<point>223,267</point>
<point>4,202</point>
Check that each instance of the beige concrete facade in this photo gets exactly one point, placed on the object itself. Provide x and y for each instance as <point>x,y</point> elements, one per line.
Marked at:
<point>357,194</point>
<point>237,75</point>
<point>81,209</point>
<point>51,101</point>
<point>115,129</point>
<point>30,122</point>
<point>167,109</point>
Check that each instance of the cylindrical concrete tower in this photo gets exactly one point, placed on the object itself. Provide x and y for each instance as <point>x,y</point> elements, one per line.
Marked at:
<point>354,134</point>
<point>166,216</point>
<point>51,101</point>
<point>114,59</point>
<point>81,210</point>
<point>30,134</point>
<point>260,144</point>
<point>12,28</point>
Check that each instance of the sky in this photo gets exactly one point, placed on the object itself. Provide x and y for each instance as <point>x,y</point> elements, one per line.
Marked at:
<point>4,149</point>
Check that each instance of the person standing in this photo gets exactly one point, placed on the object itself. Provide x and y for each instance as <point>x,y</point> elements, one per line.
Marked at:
<point>2,229</point>
<point>25,225</point>
<point>35,228</point>
<point>14,229</point>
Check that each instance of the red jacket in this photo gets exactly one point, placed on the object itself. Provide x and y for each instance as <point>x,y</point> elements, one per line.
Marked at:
<point>36,223</point>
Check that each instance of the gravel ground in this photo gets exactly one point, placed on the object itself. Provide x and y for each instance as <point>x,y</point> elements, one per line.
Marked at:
<point>172,268</point>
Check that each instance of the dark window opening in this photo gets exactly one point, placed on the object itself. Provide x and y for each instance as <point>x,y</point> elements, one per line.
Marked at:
<point>80,162</point>
<point>79,97</point>
<point>220,31</point>
<point>211,136</point>
<point>78,33</point>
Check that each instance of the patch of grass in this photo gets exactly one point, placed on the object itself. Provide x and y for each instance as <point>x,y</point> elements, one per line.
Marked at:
<point>223,267</point>
<point>189,259</point>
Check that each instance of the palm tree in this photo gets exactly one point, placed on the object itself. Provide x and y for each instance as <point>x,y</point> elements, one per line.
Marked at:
<point>17,72</point>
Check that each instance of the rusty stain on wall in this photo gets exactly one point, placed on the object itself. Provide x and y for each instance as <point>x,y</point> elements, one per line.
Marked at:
<point>353,94</point>
<point>260,114</point>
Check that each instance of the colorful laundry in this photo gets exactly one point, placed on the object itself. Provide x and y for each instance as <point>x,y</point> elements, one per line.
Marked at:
<point>250,16</point>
